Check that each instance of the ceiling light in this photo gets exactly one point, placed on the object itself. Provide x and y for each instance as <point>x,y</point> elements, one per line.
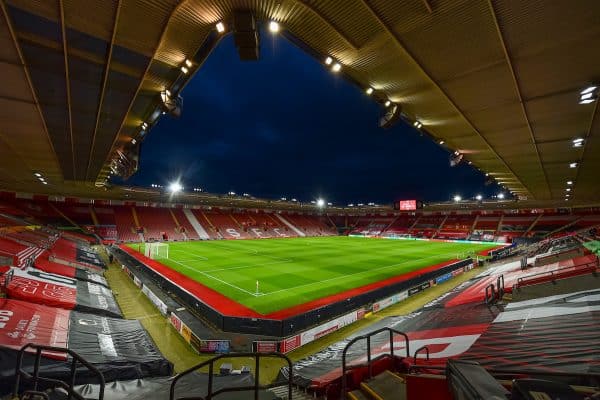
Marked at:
<point>569,182</point>
<point>387,103</point>
<point>184,69</point>
<point>588,90</point>
<point>336,67</point>
<point>273,26</point>
<point>369,91</point>
<point>328,61</point>
<point>587,96</point>
<point>188,63</point>
<point>587,101</point>
<point>220,27</point>
<point>573,165</point>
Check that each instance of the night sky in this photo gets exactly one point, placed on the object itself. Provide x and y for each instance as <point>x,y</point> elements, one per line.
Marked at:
<point>286,126</point>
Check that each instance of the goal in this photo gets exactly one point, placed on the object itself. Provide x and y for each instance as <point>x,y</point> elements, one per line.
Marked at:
<point>156,250</point>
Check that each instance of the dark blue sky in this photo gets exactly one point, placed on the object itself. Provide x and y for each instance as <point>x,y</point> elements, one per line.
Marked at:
<point>286,126</point>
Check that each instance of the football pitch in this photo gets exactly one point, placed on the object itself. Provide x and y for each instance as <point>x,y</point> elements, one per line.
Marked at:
<point>295,271</point>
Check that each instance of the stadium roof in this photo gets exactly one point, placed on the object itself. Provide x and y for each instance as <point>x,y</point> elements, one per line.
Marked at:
<point>498,80</point>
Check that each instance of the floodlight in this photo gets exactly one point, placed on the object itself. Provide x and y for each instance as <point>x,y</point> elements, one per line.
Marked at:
<point>320,203</point>
<point>184,69</point>
<point>328,60</point>
<point>457,198</point>
<point>573,165</point>
<point>45,183</point>
<point>369,91</point>
<point>38,174</point>
<point>479,197</point>
<point>387,103</point>
<point>441,142</point>
<point>273,26</point>
<point>144,125</point>
<point>133,141</point>
<point>336,67</point>
<point>220,27</point>
<point>568,189</point>
<point>175,187</point>
<point>586,101</point>
<point>569,182</point>
<point>500,195</point>
<point>188,63</point>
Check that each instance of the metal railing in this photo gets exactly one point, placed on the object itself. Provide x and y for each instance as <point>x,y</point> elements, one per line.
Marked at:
<point>36,379</point>
<point>557,274</point>
<point>367,337</point>
<point>418,351</point>
<point>256,387</point>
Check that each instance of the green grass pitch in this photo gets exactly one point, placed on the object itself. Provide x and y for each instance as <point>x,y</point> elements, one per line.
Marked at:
<point>294,271</point>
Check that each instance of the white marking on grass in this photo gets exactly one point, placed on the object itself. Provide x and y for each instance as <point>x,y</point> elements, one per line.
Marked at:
<point>189,252</point>
<point>251,251</point>
<point>356,273</point>
<point>212,277</point>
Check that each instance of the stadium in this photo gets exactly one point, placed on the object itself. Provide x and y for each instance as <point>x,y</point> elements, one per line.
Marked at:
<point>120,278</point>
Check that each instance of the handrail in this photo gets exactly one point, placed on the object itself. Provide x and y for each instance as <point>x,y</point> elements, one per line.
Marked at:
<point>500,286</point>
<point>367,336</point>
<point>255,387</point>
<point>490,296</point>
<point>69,387</point>
<point>553,272</point>
<point>417,352</point>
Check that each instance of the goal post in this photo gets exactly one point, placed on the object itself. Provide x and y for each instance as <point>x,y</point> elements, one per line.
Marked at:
<point>156,250</point>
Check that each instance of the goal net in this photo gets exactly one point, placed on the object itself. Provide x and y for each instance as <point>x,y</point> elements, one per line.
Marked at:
<point>156,250</point>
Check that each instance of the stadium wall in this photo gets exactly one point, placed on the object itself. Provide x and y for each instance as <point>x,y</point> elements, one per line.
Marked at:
<point>295,324</point>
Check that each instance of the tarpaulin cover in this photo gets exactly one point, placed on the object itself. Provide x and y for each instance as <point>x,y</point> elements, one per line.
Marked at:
<point>89,257</point>
<point>118,348</point>
<point>446,332</point>
<point>556,333</point>
<point>44,264</point>
<point>191,386</point>
<point>41,287</point>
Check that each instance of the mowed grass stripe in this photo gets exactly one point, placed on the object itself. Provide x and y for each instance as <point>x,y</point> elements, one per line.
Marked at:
<point>299,270</point>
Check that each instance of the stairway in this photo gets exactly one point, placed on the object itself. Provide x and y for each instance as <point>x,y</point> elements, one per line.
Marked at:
<point>384,386</point>
<point>202,234</point>
<point>289,225</point>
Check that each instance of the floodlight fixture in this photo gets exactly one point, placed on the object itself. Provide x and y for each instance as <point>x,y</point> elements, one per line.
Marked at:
<point>274,26</point>
<point>320,203</point>
<point>336,67</point>
<point>457,198</point>
<point>479,197</point>
<point>328,60</point>
<point>175,187</point>
<point>220,27</point>
<point>369,91</point>
<point>500,195</point>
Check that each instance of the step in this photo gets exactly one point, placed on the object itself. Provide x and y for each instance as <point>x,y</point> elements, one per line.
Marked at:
<point>282,393</point>
<point>384,386</point>
<point>357,395</point>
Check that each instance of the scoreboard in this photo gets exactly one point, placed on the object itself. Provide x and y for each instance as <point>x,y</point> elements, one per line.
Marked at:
<point>408,205</point>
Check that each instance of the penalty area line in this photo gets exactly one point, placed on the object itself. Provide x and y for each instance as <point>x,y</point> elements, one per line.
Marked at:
<point>216,279</point>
